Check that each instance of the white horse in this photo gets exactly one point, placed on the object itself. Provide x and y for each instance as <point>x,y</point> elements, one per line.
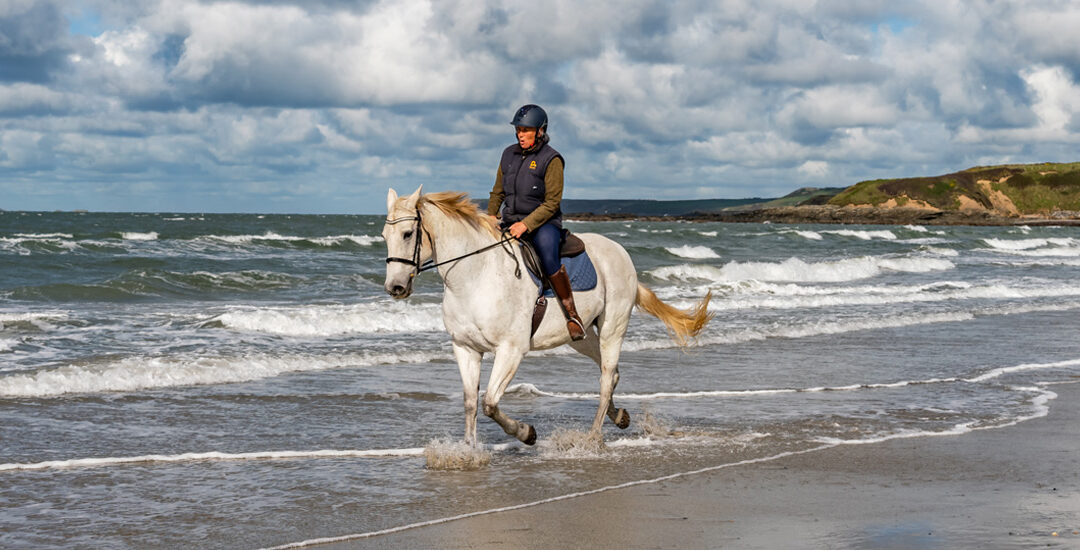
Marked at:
<point>488,309</point>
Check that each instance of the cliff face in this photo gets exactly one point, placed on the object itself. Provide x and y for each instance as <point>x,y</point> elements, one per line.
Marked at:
<point>1002,191</point>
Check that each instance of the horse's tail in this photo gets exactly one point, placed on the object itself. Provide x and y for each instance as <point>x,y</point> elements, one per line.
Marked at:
<point>682,325</point>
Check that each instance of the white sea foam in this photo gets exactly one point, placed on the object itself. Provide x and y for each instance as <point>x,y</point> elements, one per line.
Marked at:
<point>1040,407</point>
<point>707,233</point>
<point>47,236</point>
<point>863,235</point>
<point>796,270</point>
<point>209,456</point>
<point>916,228</point>
<point>331,240</point>
<point>530,389</point>
<point>942,251</point>
<point>694,252</point>
<point>1059,247</point>
<point>133,236</point>
<point>755,294</point>
<point>999,372</point>
<point>139,373</point>
<point>38,319</point>
<point>7,343</point>
<point>330,320</point>
<point>805,330</point>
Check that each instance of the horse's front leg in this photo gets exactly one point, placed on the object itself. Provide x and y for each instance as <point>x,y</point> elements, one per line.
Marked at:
<point>469,365</point>
<point>507,359</point>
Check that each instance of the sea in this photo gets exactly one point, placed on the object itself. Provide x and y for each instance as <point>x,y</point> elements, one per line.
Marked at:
<point>243,381</point>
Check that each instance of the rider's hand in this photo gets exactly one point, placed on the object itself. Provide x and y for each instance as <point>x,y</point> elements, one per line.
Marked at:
<point>518,229</point>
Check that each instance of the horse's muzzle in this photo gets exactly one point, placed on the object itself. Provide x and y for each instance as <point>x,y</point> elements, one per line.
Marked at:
<point>399,292</point>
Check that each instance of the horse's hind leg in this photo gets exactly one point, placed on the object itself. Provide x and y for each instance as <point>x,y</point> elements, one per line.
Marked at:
<point>469,364</point>
<point>591,348</point>
<point>506,364</point>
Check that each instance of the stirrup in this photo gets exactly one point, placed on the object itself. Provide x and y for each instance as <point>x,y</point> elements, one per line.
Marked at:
<point>584,334</point>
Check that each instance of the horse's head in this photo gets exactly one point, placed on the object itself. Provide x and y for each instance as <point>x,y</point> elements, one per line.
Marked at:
<point>406,250</point>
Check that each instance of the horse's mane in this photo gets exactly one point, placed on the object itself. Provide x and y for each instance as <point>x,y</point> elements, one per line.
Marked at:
<point>459,206</point>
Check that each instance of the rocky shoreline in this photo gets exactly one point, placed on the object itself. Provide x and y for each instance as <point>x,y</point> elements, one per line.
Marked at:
<point>868,215</point>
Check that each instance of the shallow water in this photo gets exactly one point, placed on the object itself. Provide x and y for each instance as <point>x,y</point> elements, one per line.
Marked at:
<point>243,380</point>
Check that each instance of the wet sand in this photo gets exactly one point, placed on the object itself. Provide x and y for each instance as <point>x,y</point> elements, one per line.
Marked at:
<point>1013,487</point>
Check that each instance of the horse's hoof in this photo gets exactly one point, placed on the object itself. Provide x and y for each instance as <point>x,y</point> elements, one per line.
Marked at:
<point>622,419</point>
<point>530,437</point>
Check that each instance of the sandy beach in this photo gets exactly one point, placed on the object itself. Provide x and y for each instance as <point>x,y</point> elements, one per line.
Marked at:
<point>1012,487</point>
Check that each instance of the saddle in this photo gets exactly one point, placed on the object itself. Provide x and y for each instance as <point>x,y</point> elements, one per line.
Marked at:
<point>572,246</point>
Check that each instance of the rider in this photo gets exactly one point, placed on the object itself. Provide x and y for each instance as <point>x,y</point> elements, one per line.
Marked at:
<point>529,186</point>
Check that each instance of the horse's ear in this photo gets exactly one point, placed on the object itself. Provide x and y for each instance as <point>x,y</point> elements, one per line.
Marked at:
<point>391,199</point>
<point>412,200</point>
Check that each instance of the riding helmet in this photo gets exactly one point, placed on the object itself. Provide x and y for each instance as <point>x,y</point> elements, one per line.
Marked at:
<point>530,116</point>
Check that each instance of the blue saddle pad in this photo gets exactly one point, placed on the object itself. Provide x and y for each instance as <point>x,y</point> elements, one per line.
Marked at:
<point>581,271</point>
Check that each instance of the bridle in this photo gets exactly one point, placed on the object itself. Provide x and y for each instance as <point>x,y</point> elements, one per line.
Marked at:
<point>418,233</point>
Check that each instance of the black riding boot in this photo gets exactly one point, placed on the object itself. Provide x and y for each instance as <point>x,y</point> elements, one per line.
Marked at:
<point>560,283</point>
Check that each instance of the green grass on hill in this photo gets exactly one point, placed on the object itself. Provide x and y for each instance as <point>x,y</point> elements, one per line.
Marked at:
<point>1033,188</point>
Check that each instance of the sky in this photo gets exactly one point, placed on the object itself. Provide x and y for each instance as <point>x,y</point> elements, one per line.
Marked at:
<point>319,106</point>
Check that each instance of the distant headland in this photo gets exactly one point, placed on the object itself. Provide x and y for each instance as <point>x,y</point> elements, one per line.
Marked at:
<point>1011,194</point>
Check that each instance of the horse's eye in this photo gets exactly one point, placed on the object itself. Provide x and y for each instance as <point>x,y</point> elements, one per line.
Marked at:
<point>407,235</point>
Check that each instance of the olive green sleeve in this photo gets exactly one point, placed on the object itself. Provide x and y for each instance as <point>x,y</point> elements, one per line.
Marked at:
<point>497,195</point>
<point>553,186</point>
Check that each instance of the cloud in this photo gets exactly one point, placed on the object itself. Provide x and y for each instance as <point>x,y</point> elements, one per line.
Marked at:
<point>250,105</point>
<point>33,41</point>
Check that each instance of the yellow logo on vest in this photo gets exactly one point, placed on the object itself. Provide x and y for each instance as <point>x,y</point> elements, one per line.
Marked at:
<point>532,165</point>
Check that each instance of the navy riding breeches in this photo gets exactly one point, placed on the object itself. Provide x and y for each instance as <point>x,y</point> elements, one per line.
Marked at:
<point>546,240</point>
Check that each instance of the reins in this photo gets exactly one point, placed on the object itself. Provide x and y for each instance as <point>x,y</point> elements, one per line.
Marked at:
<point>419,268</point>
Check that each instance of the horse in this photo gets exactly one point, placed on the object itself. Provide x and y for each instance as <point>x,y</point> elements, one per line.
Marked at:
<point>487,305</point>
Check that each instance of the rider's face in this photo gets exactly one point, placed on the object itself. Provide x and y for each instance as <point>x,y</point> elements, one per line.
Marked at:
<point>526,136</point>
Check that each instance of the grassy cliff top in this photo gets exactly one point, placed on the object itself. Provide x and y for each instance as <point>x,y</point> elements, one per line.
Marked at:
<point>1006,189</point>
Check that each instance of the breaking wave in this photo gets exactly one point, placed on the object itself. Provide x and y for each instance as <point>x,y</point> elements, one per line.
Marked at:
<point>796,270</point>
<point>693,252</point>
<point>141,373</point>
<point>331,320</point>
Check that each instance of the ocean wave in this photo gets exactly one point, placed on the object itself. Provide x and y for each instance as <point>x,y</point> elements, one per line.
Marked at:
<point>27,244</point>
<point>941,251</point>
<point>1053,246</point>
<point>805,330</point>
<point>153,283</point>
<point>759,294</point>
<point>141,373</point>
<point>863,234</point>
<point>331,320</point>
<point>36,320</point>
<point>1024,244</point>
<point>693,252</point>
<point>134,236</point>
<point>796,270</point>
<point>527,389</point>
<point>271,238</point>
<point>1002,371</point>
<point>38,236</point>
<point>209,456</point>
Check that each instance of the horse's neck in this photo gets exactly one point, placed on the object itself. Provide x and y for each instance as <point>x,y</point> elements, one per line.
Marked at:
<point>453,238</point>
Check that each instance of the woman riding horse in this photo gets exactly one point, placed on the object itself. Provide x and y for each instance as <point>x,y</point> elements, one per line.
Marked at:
<point>528,187</point>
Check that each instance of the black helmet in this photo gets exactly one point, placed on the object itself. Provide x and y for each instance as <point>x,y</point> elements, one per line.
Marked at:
<point>530,116</point>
